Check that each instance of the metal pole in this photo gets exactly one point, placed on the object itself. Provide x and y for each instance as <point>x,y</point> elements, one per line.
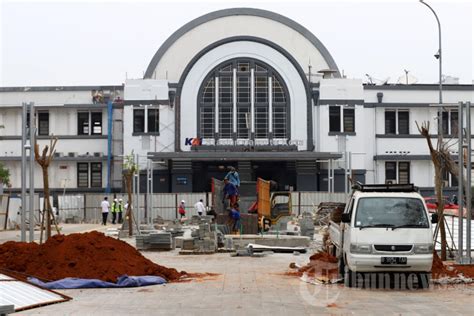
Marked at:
<point>151,190</point>
<point>147,191</point>
<point>460,182</point>
<point>23,174</point>
<point>139,219</point>
<point>469,184</point>
<point>346,166</point>
<point>440,58</point>
<point>32,172</point>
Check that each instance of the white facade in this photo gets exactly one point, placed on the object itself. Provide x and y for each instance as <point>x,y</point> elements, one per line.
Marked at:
<point>164,114</point>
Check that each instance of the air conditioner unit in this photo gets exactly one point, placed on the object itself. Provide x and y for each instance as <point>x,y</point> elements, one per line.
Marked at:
<point>390,181</point>
<point>72,154</point>
<point>98,154</point>
<point>58,154</point>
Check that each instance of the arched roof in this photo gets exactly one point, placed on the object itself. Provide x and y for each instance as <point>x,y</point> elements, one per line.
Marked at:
<point>240,11</point>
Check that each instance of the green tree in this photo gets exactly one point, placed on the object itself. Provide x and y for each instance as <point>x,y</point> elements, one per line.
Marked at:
<point>4,175</point>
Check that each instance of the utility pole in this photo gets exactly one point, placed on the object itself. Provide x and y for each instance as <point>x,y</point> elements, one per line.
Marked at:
<point>23,172</point>
<point>32,172</point>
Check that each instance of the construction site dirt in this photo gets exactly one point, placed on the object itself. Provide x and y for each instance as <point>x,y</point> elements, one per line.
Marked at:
<point>89,255</point>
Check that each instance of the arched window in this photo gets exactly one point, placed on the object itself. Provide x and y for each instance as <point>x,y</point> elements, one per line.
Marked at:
<point>243,99</point>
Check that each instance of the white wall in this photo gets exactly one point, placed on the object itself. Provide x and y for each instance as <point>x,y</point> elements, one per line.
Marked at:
<point>58,176</point>
<point>178,56</point>
<point>418,96</point>
<point>145,143</point>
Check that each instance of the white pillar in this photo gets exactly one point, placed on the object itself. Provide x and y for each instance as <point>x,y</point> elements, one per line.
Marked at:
<point>252,100</point>
<point>270,106</point>
<point>234,101</point>
<point>216,114</point>
<point>145,129</point>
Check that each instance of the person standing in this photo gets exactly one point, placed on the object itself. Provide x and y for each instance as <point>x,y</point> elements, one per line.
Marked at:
<point>120,211</point>
<point>233,177</point>
<point>182,209</point>
<point>235,212</point>
<point>200,208</point>
<point>105,210</point>
<point>230,192</point>
<point>114,210</point>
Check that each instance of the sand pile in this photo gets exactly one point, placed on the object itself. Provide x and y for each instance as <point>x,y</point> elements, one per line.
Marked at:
<point>90,255</point>
<point>321,265</point>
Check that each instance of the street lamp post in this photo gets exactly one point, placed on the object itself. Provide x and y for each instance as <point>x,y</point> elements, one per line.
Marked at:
<point>438,56</point>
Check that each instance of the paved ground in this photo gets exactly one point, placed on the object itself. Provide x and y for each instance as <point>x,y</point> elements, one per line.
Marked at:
<point>254,286</point>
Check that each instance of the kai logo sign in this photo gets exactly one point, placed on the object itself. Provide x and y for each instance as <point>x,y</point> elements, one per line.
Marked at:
<point>192,141</point>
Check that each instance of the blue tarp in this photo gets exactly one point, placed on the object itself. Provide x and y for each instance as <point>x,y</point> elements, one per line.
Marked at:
<point>122,281</point>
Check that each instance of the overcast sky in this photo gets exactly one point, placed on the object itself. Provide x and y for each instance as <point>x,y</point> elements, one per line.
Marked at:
<point>98,43</point>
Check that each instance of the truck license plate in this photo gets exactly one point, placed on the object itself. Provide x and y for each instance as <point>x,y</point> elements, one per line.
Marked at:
<point>393,260</point>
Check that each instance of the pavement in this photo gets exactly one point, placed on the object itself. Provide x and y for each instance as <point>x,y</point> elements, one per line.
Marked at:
<point>255,286</point>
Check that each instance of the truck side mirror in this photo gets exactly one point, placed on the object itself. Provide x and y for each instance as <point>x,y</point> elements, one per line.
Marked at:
<point>434,218</point>
<point>346,218</point>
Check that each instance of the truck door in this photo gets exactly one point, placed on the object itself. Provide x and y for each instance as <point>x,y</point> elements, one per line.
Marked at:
<point>217,187</point>
<point>263,198</point>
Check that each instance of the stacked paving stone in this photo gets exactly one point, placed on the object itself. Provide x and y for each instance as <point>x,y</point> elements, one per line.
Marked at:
<point>204,240</point>
<point>155,241</point>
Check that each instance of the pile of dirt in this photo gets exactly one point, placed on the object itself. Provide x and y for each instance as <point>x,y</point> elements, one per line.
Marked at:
<point>89,255</point>
<point>321,264</point>
<point>440,270</point>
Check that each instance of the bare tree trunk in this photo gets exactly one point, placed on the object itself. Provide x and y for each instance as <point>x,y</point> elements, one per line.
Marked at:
<point>128,184</point>
<point>47,204</point>
<point>440,198</point>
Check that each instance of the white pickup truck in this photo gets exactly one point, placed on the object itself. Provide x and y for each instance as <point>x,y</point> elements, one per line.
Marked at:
<point>385,229</point>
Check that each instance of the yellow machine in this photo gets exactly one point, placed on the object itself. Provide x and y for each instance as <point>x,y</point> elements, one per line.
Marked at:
<point>271,206</point>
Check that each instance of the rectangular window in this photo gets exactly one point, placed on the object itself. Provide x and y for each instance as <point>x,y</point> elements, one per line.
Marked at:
<point>349,121</point>
<point>43,123</point>
<point>403,172</point>
<point>83,123</point>
<point>450,123</point>
<point>403,122</point>
<point>397,172</point>
<point>390,122</point>
<point>225,89</point>
<point>261,89</point>
<point>96,121</point>
<point>390,171</point>
<point>139,121</point>
<point>279,122</point>
<point>261,122</point>
<point>207,122</point>
<point>153,121</point>
<point>243,89</point>
<point>225,122</point>
<point>243,122</point>
<point>82,175</point>
<point>334,118</point>
<point>96,174</point>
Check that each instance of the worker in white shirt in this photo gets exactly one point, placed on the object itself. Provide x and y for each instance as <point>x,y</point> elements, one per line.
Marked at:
<point>105,210</point>
<point>200,208</point>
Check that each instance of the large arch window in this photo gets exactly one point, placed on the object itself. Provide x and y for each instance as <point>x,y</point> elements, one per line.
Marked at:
<point>243,99</point>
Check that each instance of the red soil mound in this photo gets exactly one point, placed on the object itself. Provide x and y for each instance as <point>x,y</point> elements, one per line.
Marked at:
<point>439,270</point>
<point>321,264</point>
<point>90,255</point>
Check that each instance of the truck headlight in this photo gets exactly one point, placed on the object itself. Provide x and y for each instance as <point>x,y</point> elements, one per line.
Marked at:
<point>423,248</point>
<point>361,248</point>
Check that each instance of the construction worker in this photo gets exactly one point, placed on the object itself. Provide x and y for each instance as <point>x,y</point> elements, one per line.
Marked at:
<point>182,209</point>
<point>235,213</point>
<point>234,178</point>
<point>114,210</point>
<point>105,210</point>
<point>230,192</point>
<point>120,211</point>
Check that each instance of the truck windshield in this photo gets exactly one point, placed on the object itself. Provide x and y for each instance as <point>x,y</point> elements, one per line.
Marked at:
<point>391,212</point>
